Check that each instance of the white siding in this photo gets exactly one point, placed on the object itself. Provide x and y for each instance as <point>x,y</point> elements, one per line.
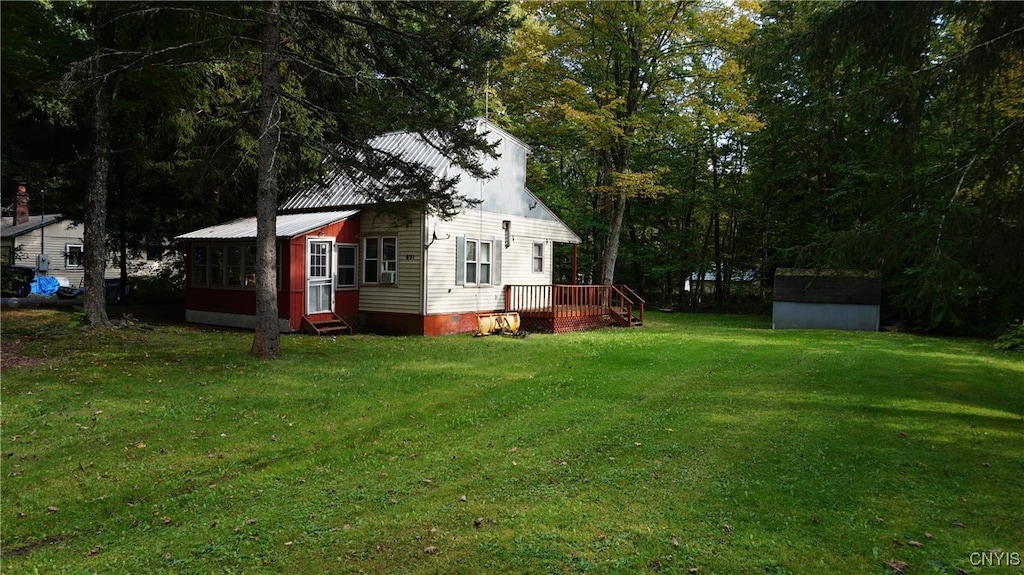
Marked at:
<point>53,240</point>
<point>444,296</point>
<point>505,198</point>
<point>405,296</point>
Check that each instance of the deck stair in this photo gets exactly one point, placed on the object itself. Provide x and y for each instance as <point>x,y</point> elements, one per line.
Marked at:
<point>325,324</point>
<point>626,307</point>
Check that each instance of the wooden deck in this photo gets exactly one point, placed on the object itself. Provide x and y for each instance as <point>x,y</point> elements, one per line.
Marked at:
<point>560,308</point>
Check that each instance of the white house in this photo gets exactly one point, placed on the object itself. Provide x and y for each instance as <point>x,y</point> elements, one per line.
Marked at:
<point>342,259</point>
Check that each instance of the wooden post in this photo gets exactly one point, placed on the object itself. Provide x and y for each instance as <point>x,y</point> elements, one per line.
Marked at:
<point>575,248</point>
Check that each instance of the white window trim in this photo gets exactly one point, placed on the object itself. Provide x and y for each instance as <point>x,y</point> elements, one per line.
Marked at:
<point>382,264</point>
<point>463,262</point>
<point>67,256</point>
<point>534,258</point>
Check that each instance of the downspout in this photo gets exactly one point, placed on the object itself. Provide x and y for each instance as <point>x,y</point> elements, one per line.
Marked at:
<point>423,264</point>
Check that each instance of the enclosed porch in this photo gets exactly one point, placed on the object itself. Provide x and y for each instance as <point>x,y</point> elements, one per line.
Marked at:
<point>560,308</point>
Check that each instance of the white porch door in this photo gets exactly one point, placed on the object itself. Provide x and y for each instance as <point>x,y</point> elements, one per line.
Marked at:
<point>319,276</point>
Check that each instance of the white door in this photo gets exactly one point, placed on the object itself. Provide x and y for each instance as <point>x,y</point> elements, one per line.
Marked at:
<point>319,276</point>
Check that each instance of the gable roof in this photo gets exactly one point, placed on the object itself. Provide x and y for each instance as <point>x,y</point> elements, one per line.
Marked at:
<point>33,223</point>
<point>288,226</point>
<point>343,189</point>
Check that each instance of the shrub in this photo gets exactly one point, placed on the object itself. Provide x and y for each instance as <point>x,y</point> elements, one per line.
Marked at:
<point>1013,338</point>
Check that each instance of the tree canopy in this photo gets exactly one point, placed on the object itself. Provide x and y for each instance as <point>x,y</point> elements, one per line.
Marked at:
<point>694,146</point>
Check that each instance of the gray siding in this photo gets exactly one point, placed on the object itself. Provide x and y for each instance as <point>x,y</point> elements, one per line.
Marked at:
<point>850,317</point>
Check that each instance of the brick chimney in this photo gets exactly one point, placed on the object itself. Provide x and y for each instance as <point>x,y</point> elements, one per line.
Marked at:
<point>21,206</point>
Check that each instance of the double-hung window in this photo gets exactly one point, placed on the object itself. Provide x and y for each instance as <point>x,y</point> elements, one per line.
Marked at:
<point>74,256</point>
<point>477,262</point>
<point>346,266</point>
<point>538,257</point>
<point>380,260</point>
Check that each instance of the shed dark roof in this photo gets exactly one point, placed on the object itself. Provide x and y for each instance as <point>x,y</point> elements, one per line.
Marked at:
<point>827,286</point>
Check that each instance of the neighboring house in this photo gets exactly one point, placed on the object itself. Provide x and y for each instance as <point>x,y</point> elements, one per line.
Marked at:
<point>342,259</point>
<point>51,245</point>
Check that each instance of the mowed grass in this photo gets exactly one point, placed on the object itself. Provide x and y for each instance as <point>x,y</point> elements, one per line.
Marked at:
<point>707,443</point>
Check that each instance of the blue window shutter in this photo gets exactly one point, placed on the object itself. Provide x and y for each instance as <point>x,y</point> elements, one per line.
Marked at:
<point>460,260</point>
<point>496,262</point>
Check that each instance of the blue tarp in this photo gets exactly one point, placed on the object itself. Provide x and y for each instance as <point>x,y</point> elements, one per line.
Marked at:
<point>45,285</point>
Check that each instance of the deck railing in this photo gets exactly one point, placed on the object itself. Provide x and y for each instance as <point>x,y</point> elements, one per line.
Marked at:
<point>575,301</point>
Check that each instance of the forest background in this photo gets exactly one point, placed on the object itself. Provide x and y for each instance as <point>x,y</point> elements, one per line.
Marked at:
<point>694,146</point>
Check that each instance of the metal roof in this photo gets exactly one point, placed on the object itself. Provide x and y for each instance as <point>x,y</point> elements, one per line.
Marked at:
<point>348,189</point>
<point>288,226</point>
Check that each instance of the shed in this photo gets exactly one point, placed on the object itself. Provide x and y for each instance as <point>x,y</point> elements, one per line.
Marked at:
<point>826,299</point>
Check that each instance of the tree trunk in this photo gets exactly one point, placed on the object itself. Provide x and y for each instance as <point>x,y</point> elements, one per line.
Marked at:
<point>94,235</point>
<point>266,341</point>
<point>716,221</point>
<point>611,251</point>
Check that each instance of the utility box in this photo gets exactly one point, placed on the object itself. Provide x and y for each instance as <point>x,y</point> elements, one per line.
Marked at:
<point>43,263</point>
<point>826,299</point>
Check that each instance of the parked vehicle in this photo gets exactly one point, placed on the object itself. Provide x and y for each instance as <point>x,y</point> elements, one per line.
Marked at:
<point>16,281</point>
<point>112,291</point>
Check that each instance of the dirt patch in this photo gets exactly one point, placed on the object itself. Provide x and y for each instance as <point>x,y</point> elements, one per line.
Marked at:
<point>24,550</point>
<point>11,356</point>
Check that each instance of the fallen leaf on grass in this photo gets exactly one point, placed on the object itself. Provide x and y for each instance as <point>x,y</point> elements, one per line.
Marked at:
<point>958,524</point>
<point>927,535</point>
<point>675,542</point>
<point>430,550</point>
<point>463,498</point>
<point>897,566</point>
<point>913,543</point>
<point>727,529</point>
<point>53,509</point>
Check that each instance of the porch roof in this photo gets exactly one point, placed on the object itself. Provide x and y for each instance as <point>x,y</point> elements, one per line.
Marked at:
<point>288,226</point>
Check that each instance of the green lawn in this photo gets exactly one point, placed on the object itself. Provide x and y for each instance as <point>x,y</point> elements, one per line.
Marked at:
<point>707,443</point>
